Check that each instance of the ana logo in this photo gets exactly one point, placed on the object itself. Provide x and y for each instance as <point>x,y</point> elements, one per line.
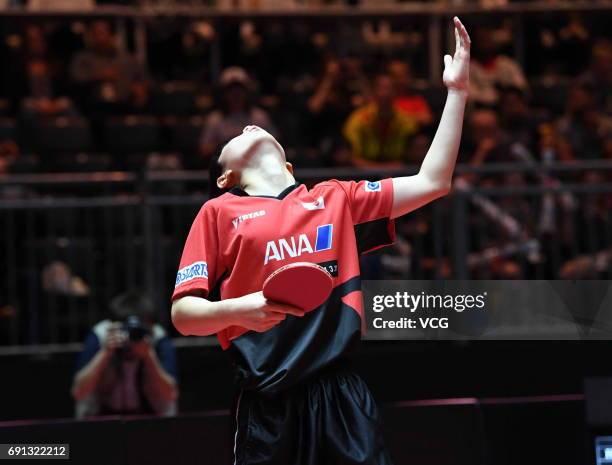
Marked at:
<point>296,246</point>
<point>372,186</point>
<point>248,216</point>
<point>193,271</point>
<point>319,204</point>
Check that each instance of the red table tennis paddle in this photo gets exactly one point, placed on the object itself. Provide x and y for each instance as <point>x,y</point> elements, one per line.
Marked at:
<point>301,284</point>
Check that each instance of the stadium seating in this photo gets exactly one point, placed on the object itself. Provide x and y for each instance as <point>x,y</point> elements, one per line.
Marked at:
<point>185,134</point>
<point>60,135</point>
<point>551,95</point>
<point>175,98</point>
<point>132,134</point>
<point>7,129</point>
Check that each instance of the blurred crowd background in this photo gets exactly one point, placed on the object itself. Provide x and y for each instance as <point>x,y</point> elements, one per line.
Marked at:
<point>109,120</point>
<point>75,97</point>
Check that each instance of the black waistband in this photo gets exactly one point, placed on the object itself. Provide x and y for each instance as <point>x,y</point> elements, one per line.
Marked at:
<point>331,371</point>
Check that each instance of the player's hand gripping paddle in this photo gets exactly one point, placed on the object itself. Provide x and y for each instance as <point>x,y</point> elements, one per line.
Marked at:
<point>302,284</point>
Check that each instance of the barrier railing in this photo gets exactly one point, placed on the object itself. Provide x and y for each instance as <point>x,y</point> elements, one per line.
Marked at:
<point>70,242</point>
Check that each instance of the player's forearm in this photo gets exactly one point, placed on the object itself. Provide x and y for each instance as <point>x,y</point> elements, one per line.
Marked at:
<point>439,163</point>
<point>88,377</point>
<point>196,316</point>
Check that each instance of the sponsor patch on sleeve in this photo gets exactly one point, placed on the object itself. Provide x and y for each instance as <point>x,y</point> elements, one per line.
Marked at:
<point>373,186</point>
<point>193,271</point>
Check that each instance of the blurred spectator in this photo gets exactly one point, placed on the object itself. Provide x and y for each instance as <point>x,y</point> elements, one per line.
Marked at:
<point>608,151</point>
<point>418,148</point>
<point>408,101</point>
<point>58,277</point>
<point>379,132</point>
<point>485,142</point>
<point>574,38</point>
<point>341,153</point>
<point>486,137</point>
<point>489,69</point>
<point>551,143</point>
<point>516,118</point>
<point>592,235</point>
<point>584,127</point>
<point>110,80</point>
<point>128,363</point>
<point>587,266</point>
<point>8,152</point>
<point>355,80</point>
<point>236,111</point>
<point>599,75</point>
<point>342,88</point>
<point>38,78</point>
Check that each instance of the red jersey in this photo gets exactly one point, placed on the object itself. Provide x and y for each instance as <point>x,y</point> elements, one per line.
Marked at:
<point>237,240</point>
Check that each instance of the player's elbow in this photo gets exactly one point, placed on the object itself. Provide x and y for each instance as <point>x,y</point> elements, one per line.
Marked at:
<point>177,318</point>
<point>440,189</point>
<point>443,189</point>
<point>433,187</point>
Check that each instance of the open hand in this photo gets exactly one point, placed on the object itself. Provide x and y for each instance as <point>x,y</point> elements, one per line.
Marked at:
<point>457,68</point>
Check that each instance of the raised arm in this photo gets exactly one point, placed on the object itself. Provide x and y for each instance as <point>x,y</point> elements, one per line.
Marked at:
<point>434,177</point>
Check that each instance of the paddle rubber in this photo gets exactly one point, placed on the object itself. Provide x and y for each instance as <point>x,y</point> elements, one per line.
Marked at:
<point>304,285</point>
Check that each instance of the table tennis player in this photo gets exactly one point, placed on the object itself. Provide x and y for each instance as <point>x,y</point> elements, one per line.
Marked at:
<point>299,401</point>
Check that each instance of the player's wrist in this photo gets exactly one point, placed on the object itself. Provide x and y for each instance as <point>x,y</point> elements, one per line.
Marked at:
<point>231,311</point>
<point>461,92</point>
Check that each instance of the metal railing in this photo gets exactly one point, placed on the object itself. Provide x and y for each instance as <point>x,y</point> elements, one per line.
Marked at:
<point>70,242</point>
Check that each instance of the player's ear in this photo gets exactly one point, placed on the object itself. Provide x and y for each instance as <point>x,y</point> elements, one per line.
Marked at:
<point>227,180</point>
<point>289,167</point>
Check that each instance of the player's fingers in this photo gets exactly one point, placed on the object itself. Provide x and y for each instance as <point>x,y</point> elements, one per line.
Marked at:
<point>283,308</point>
<point>274,317</point>
<point>295,311</point>
<point>457,39</point>
<point>262,328</point>
<point>463,33</point>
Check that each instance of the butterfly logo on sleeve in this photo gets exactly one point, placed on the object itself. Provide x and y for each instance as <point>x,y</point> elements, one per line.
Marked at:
<point>373,186</point>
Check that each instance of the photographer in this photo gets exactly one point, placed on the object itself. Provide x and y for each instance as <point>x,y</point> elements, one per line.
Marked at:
<point>128,364</point>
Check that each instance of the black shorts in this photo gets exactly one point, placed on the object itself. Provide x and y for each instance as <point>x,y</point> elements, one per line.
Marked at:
<point>330,420</point>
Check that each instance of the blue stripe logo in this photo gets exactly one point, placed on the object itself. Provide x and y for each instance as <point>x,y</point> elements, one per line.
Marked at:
<point>324,237</point>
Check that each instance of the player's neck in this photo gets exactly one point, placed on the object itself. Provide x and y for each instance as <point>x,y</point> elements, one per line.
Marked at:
<point>266,177</point>
<point>271,184</point>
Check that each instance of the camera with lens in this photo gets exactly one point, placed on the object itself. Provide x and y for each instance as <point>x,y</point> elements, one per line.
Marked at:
<point>135,328</point>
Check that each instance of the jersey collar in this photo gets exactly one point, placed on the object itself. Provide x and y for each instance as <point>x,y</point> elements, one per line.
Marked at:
<point>242,193</point>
